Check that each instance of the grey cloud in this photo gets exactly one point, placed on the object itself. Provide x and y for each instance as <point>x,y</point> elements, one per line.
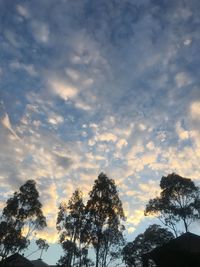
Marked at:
<point>64,162</point>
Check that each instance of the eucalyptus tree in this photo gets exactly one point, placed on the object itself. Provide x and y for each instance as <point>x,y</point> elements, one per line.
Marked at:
<point>112,245</point>
<point>104,216</point>
<point>153,237</point>
<point>20,218</point>
<point>42,245</point>
<point>71,222</point>
<point>178,203</point>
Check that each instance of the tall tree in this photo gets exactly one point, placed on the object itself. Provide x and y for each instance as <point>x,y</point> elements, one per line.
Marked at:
<point>179,202</point>
<point>11,239</point>
<point>70,224</point>
<point>42,245</point>
<point>153,237</point>
<point>112,245</point>
<point>20,218</point>
<point>70,251</point>
<point>104,214</point>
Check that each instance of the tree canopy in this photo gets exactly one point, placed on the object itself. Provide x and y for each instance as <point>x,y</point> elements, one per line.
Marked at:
<point>153,236</point>
<point>96,223</point>
<point>71,223</point>
<point>179,202</point>
<point>104,215</point>
<point>20,218</point>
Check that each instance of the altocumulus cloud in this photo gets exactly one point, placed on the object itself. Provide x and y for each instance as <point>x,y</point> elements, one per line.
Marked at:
<point>90,86</point>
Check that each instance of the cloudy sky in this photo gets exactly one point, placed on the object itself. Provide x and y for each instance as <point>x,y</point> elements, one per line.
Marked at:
<point>90,86</point>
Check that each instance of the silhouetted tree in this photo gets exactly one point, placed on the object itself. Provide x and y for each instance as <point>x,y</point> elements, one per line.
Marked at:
<point>11,239</point>
<point>112,245</point>
<point>21,217</point>
<point>71,226</point>
<point>153,236</point>
<point>85,261</point>
<point>70,250</point>
<point>179,201</point>
<point>127,254</point>
<point>42,245</point>
<point>104,214</point>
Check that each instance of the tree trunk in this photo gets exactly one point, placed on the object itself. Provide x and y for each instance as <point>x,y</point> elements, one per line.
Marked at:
<point>186,226</point>
<point>105,256</point>
<point>41,253</point>
<point>80,258</point>
<point>97,256</point>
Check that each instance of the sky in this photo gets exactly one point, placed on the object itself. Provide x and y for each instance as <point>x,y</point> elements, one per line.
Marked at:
<point>98,86</point>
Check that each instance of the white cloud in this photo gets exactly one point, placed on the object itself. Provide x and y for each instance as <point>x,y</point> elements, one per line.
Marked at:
<point>142,127</point>
<point>56,119</point>
<point>88,82</point>
<point>187,42</point>
<point>195,110</point>
<point>6,123</point>
<point>73,74</point>
<point>93,125</point>
<point>150,145</point>
<point>135,149</point>
<point>182,79</point>
<point>136,217</point>
<point>121,143</point>
<point>91,142</point>
<point>49,197</point>
<point>23,11</point>
<point>67,92</point>
<point>75,59</point>
<point>29,68</point>
<point>40,31</point>
<point>63,90</point>
<point>149,190</point>
<point>148,158</point>
<point>106,137</point>
<point>81,105</point>
<point>183,134</point>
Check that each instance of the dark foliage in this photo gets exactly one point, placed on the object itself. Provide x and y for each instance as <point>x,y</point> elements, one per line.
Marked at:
<point>104,214</point>
<point>71,224</point>
<point>153,236</point>
<point>179,202</point>
<point>21,216</point>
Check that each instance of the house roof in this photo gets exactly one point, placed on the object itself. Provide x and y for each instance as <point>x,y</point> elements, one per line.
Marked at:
<point>187,242</point>
<point>39,263</point>
<point>180,251</point>
<point>16,260</point>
